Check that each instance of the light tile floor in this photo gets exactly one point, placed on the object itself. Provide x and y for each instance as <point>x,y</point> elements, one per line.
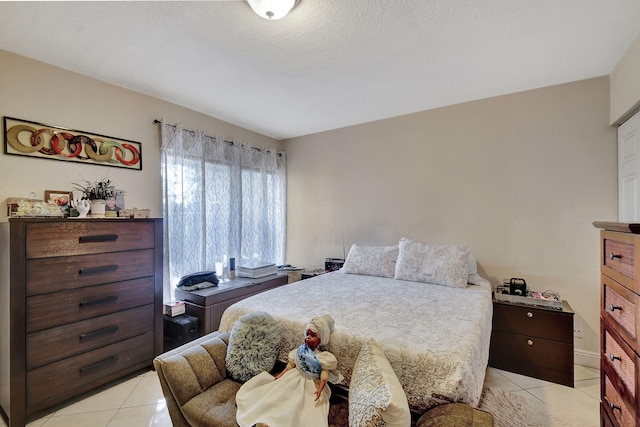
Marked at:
<point>137,401</point>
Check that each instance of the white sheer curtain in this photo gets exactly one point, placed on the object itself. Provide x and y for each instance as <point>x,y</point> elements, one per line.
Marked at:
<point>220,200</point>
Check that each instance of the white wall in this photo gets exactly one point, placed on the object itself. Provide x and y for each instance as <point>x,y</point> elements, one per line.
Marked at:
<point>35,91</point>
<point>519,177</point>
<point>625,84</point>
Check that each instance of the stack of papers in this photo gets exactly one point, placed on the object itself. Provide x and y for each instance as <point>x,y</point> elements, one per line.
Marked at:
<point>256,269</point>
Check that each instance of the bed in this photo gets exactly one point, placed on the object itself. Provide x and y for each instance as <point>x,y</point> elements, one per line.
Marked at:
<point>435,337</point>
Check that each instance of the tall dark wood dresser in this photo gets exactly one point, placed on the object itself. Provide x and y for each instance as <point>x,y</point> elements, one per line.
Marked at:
<point>619,317</point>
<point>81,305</point>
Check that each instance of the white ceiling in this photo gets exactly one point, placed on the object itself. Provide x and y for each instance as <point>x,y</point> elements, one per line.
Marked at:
<point>329,63</point>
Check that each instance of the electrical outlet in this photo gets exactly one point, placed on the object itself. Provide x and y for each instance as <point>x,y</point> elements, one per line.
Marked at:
<point>577,330</point>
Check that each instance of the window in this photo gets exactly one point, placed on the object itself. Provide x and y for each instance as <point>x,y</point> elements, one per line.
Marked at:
<point>220,200</point>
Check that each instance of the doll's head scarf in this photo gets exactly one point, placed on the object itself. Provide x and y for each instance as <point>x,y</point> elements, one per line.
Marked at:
<point>323,326</point>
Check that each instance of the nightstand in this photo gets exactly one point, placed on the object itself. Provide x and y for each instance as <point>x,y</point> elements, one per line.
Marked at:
<point>533,341</point>
<point>312,273</point>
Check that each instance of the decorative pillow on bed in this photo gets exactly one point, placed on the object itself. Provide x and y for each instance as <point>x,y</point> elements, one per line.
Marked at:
<point>376,397</point>
<point>473,267</point>
<point>371,260</point>
<point>254,344</point>
<point>442,265</point>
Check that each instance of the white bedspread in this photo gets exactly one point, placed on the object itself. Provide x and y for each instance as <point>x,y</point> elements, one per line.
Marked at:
<point>435,337</point>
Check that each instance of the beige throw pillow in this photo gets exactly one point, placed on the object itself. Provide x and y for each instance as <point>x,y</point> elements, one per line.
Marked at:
<point>371,260</point>
<point>441,265</point>
<point>376,397</point>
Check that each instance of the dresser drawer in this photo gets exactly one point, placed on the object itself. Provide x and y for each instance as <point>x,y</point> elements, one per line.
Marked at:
<point>95,236</point>
<point>614,404</point>
<point>605,421</point>
<point>620,309</point>
<point>50,310</point>
<point>618,255</point>
<point>621,359</point>
<point>60,273</point>
<point>64,341</point>
<point>59,381</point>
<point>533,322</point>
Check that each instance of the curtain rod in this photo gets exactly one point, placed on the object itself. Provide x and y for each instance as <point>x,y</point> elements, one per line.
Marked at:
<point>157,122</point>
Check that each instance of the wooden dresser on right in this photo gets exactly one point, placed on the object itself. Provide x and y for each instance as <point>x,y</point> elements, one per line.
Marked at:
<point>619,323</point>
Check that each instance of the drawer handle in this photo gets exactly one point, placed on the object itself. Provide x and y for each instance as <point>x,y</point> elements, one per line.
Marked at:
<point>529,314</point>
<point>615,307</point>
<point>530,342</point>
<point>612,357</point>
<point>99,333</point>
<point>97,365</point>
<point>97,270</point>
<point>99,301</point>
<point>612,256</point>
<point>614,407</point>
<point>99,238</point>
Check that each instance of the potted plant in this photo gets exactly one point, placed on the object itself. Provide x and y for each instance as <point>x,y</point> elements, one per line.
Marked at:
<point>97,192</point>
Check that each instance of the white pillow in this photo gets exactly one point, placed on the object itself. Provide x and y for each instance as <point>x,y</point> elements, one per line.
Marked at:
<point>371,260</point>
<point>376,397</point>
<point>441,265</point>
<point>473,267</point>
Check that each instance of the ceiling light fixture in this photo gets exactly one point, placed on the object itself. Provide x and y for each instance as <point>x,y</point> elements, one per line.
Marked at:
<point>272,9</point>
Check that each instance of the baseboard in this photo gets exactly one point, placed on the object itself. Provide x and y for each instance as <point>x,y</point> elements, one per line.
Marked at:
<point>589,359</point>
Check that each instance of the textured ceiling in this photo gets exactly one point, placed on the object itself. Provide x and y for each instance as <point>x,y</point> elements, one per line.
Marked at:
<point>329,63</point>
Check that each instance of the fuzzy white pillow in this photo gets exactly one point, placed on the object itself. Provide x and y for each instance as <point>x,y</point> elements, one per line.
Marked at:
<point>254,344</point>
<point>371,260</point>
<point>441,265</point>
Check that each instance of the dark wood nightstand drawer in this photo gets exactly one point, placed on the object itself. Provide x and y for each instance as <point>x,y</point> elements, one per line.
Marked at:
<point>532,321</point>
<point>532,356</point>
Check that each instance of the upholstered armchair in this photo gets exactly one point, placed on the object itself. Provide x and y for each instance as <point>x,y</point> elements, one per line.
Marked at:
<point>195,385</point>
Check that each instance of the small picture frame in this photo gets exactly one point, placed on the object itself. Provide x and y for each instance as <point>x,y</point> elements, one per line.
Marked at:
<point>60,198</point>
<point>115,204</point>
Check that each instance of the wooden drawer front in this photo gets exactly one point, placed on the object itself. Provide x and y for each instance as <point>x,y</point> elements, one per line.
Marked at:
<point>618,252</point>
<point>541,323</point>
<point>619,308</point>
<point>59,381</point>
<point>532,356</point>
<point>605,421</point>
<point>64,341</point>
<point>60,273</point>
<point>617,354</point>
<point>624,415</point>
<point>79,238</point>
<point>60,308</point>
<point>618,256</point>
